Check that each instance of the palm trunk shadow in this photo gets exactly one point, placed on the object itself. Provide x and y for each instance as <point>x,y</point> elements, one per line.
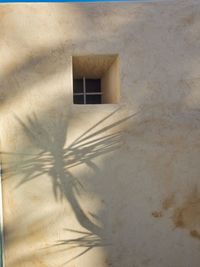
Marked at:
<point>56,160</point>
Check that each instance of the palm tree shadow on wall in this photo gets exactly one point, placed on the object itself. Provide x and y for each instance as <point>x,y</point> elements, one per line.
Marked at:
<point>56,160</point>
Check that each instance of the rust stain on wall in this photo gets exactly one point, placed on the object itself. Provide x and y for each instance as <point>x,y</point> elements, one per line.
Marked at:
<point>189,20</point>
<point>168,202</point>
<point>186,215</point>
<point>195,234</point>
<point>157,214</point>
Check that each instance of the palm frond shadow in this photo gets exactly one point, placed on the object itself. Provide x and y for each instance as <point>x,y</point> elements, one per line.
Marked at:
<point>85,241</point>
<point>56,160</point>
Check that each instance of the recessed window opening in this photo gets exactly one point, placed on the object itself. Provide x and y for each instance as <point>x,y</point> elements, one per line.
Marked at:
<point>95,79</point>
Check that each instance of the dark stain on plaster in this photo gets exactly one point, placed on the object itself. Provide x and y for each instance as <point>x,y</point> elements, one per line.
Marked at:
<point>177,218</point>
<point>195,234</point>
<point>157,214</point>
<point>189,20</point>
<point>168,202</point>
<point>108,262</point>
<point>188,214</point>
<point>185,216</point>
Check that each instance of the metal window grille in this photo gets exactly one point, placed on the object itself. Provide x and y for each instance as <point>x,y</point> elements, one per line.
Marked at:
<point>87,91</point>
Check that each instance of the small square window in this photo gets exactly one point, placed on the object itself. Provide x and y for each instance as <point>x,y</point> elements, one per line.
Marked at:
<point>95,79</point>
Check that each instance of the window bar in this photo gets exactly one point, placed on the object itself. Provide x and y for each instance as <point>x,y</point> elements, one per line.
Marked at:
<point>90,93</point>
<point>84,91</point>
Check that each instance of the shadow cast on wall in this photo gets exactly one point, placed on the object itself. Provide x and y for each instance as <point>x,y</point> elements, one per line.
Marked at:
<point>56,161</point>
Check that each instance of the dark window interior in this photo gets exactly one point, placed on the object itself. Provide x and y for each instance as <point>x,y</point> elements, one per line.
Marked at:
<point>93,85</point>
<point>78,99</point>
<point>93,99</point>
<point>88,92</point>
<point>78,85</point>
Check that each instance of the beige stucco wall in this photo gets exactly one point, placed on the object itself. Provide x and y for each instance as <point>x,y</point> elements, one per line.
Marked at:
<point>103,185</point>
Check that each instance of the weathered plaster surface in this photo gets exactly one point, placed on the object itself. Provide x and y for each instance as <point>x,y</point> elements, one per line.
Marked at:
<point>106,185</point>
